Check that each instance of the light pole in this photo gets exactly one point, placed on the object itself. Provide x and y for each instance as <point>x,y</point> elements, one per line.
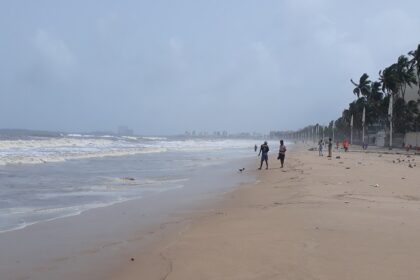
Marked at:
<point>351,130</point>
<point>390,113</point>
<point>363,126</point>
<point>313,134</point>
<point>317,132</point>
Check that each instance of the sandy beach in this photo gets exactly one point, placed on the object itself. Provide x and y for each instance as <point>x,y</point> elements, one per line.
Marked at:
<point>352,217</point>
<point>349,218</point>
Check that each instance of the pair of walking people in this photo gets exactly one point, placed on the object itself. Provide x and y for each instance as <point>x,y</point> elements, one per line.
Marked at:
<point>264,149</point>
<point>321,146</point>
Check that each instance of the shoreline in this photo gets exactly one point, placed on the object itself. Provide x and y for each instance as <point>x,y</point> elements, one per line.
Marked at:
<point>347,218</point>
<point>95,243</point>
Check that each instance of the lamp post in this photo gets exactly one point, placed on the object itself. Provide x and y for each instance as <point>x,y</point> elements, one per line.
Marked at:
<point>363,126</point>
<point>351,130</point>
<point>390,113</point>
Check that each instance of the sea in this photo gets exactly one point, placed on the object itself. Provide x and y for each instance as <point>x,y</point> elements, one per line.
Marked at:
<point>43,178</point>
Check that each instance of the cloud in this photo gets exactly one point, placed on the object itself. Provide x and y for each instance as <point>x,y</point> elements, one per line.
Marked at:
<point>53,51</point>
<point>241,65</point>
<point>50,63</point>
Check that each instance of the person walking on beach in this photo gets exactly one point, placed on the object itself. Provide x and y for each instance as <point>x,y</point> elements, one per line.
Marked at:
<point>330,147</point>
<point>282,153</point>
<point>264,154</point>
<point>346,145</point>
<point>320,147</point>
<point>255,148</point>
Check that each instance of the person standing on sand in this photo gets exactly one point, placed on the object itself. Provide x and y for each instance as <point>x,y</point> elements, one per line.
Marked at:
<point>255,148</point>
<point>264,154</point>
<point>346,145</point>
<point>282,153</point>
<point>330,148</point>
<point>320,147</point>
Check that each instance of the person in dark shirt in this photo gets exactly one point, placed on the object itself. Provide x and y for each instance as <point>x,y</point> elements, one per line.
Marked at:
<point>282,153</point>
<point>264,154</point>
<point>330,144</point>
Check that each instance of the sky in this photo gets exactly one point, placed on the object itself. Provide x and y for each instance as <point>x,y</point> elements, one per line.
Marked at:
<point>165,67</point>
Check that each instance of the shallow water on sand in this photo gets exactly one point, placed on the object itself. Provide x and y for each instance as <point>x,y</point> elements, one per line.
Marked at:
<point>40,192</point>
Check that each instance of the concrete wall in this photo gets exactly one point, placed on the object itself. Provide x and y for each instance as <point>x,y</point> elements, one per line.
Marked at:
<point>412,138</point>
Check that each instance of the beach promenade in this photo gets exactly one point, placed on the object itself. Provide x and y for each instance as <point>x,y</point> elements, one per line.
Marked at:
<point>355,217</point>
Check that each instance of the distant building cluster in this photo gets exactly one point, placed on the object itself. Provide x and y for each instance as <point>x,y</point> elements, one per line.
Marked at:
<point>125,131</point>
<point>222,134</point>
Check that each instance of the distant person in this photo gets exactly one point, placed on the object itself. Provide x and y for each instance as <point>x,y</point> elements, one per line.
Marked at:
<point>282,153</point>
<point>320,147</point>
<point>346,145</point>
<point>330,144</point>
<point>365,146</point>
<point>255,148</point>
<point>264,154</point>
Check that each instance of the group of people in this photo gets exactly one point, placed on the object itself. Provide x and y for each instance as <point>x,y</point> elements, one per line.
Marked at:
<point>345,144</point>
<point>264,149</point>
<point>321,147</point>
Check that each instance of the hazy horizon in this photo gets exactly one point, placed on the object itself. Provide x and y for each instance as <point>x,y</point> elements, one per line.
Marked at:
<point>166,67</point>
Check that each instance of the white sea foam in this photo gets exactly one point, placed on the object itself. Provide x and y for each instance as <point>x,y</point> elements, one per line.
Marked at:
<point>78,146</point>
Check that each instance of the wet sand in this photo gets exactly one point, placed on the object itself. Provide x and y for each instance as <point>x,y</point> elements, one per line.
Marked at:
<point>350,218</point>
<point>101,241</point>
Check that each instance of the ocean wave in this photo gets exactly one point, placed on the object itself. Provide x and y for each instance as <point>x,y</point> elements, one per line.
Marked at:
<point>78,146</point>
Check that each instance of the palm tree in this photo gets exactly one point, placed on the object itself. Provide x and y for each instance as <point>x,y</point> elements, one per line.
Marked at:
<point>415,63</point>
<point>406,114</point>
<point>375,94</point>
<point>389,80</point>
<point>404,74</point>
<point>363,87</point>
<point>375,103</point>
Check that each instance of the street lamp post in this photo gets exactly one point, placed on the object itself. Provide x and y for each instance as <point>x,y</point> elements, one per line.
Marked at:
<point>351,130</point>
<point>363,127</point>
<point>390,113</point>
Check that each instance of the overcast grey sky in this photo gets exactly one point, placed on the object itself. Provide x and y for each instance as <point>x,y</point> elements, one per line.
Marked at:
<point>163,67</point>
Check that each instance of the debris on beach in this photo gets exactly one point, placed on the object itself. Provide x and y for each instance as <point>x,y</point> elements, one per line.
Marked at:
<point>337,157</point>
<point>410,165</point>
<point>128,178</point>
<point>241,169</point>
<point>347,167</point>
<point>132,259</point>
